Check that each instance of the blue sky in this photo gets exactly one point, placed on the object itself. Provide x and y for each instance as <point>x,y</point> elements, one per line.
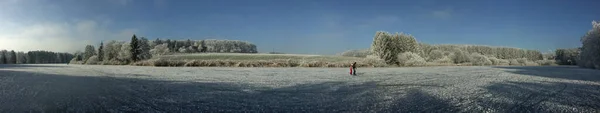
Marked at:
<point>296,26</point>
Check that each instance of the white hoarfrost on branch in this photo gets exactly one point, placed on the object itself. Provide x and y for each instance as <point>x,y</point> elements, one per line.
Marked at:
<point>590,50</point>
<point>162,49</point>
<point>410,59</point>
<point>144,49</point>
<point>125,53</point>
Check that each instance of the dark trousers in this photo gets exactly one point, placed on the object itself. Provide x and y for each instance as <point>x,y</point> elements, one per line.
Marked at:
<point>353,71</point>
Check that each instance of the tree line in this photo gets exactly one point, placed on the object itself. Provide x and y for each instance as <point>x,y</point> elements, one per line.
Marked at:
<point>401,48</point>
<point>115,52</point>
<point>137,49</point>
<point>209,45</point>
<point>389,47</point>
<point>33,57</point>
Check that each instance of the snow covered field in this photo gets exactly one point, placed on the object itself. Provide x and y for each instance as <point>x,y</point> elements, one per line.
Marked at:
<point>91,88</point>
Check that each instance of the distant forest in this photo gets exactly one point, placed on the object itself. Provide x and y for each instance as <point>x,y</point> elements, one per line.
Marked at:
<point>33,57</point>
<point>122,52</point>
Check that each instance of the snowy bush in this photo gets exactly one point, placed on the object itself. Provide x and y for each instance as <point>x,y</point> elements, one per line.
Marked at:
<point>513,62</point>
<point>165,62</point>
<point>182,50</point>
<point>410,59</point>
<point>92,60</point>
<point>478,59</point>
<point>522,61</point>
<point>75,61</point>
<point>374,61</point>
<point>496,61</point>
<point>161,49</point>
<point>444,60</point>
<point>460,57</point>
<point>546,62</point>
<point>113,62</point>
<point>435,55</point>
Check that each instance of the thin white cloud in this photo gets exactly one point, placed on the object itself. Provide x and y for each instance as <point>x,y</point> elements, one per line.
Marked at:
<point>61,37</point>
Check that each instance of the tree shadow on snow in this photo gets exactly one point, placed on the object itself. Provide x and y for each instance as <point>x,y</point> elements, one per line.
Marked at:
<point>34,92</point>
<point>508,97</point>
<point>561,72</point>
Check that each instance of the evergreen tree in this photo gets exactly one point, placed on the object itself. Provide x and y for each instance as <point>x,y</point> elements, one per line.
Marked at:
<point>101,51</point>
<point>143,49</point>
<point>169,44</point>
<point>135,51</point>
<point>188,43</point>
<point>202,46</point>
<point>3,57</point>
<point>13,57</point>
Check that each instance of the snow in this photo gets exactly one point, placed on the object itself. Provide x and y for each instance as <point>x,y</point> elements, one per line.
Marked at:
<point>95,88</point>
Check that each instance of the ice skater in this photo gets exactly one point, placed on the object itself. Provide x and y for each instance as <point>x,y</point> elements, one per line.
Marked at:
<point>353,68</point>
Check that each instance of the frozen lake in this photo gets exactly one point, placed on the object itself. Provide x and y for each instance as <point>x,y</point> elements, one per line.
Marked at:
<point>82,88</point>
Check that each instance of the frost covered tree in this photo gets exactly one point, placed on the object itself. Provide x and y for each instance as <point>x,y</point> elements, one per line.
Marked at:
<point>89,52</point>
<point>3,59</point>
<point>182,50</point>
<point>39,57</point>
<point>202,46</point>
<point>100,52</point>
<point>227,46</point>
<point>460,56</point>
<point>112,49</point>
<point>134,49</point>
<point>388,46</point>
<point>157,42</point>
<point>385,46</point>
<point>13,57</point>
<point>78,56</point>
<point>143,49</point>
<point>567,56</point>
<point>162,49</point>
<point>125,53</point>
<point>21,58</point>
<point>191,49</point>
<point>407,43</point>
<point>590,50</point>
<point>168,42</point>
